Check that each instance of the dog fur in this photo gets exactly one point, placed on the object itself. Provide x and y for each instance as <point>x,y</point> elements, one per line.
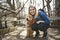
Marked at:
<point>30,21</point>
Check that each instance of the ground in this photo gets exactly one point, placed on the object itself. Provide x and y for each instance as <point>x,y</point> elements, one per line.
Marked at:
<point>20,34</point>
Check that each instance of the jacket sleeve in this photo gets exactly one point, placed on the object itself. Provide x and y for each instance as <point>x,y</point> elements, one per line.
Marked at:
<point>45,18</point>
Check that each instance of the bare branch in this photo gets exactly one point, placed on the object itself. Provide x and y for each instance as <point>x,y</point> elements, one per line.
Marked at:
<point>12,11</point>
<point>7,9</point>
<point>21,8</point>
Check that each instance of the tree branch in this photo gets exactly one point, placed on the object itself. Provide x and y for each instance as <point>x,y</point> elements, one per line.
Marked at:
<point>7,9</point>
<point>21,8</point>
<point>12,11</point>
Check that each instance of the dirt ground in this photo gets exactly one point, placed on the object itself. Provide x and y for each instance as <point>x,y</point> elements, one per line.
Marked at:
<point>20,34</point>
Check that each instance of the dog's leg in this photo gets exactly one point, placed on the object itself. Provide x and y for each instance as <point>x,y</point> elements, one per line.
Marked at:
<point>29,32</point>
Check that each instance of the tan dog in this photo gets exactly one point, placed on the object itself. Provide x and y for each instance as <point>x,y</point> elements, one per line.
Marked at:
<point>30,21</point>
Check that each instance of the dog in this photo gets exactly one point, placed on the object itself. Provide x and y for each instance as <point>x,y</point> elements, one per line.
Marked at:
<point>30,21</point>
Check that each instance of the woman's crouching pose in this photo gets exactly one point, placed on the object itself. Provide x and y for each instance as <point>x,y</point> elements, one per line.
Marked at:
<point>42,23</point>
<point>37,21</point>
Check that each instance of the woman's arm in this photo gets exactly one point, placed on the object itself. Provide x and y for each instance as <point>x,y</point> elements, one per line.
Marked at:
<point>45,18</point>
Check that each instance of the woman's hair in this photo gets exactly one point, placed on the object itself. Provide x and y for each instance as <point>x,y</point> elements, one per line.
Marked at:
<point>31,7</point>
<point>36,12</point>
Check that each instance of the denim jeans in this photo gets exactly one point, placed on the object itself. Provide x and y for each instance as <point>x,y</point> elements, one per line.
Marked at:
<point>42,27</point>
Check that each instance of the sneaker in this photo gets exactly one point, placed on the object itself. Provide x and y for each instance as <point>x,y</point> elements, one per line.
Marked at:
<point>37,35</point>
<point>45,37</point>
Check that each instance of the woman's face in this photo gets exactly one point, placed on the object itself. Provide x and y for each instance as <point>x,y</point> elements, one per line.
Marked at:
<point>32,10</point>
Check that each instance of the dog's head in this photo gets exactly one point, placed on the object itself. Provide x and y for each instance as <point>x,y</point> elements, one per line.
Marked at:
<point>30,20</point>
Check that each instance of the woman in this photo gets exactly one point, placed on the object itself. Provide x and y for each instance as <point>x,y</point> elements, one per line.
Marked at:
<point>42,23</point>
<point>37,21</point>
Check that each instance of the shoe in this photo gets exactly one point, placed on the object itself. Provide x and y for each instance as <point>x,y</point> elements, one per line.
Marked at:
<point>37,35</point>
<point>45,37</point>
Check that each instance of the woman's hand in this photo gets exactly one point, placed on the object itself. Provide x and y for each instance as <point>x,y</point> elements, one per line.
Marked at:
<point>38,22</point>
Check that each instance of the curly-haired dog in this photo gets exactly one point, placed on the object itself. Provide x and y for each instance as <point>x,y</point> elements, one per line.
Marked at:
<point>30,21</point>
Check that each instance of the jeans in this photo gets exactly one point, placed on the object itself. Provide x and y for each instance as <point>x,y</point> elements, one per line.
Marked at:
<point>43,27</point>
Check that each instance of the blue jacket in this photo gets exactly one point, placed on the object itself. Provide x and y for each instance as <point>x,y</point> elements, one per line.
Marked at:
<point>43,16</point>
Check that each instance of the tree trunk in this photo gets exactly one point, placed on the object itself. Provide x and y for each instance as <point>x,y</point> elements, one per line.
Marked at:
<point>5,21</point>
<point>12,6</point>
<point>57,6</point>
<point>48,8</point>
<point>43,4</point>
<point>0,24</point>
